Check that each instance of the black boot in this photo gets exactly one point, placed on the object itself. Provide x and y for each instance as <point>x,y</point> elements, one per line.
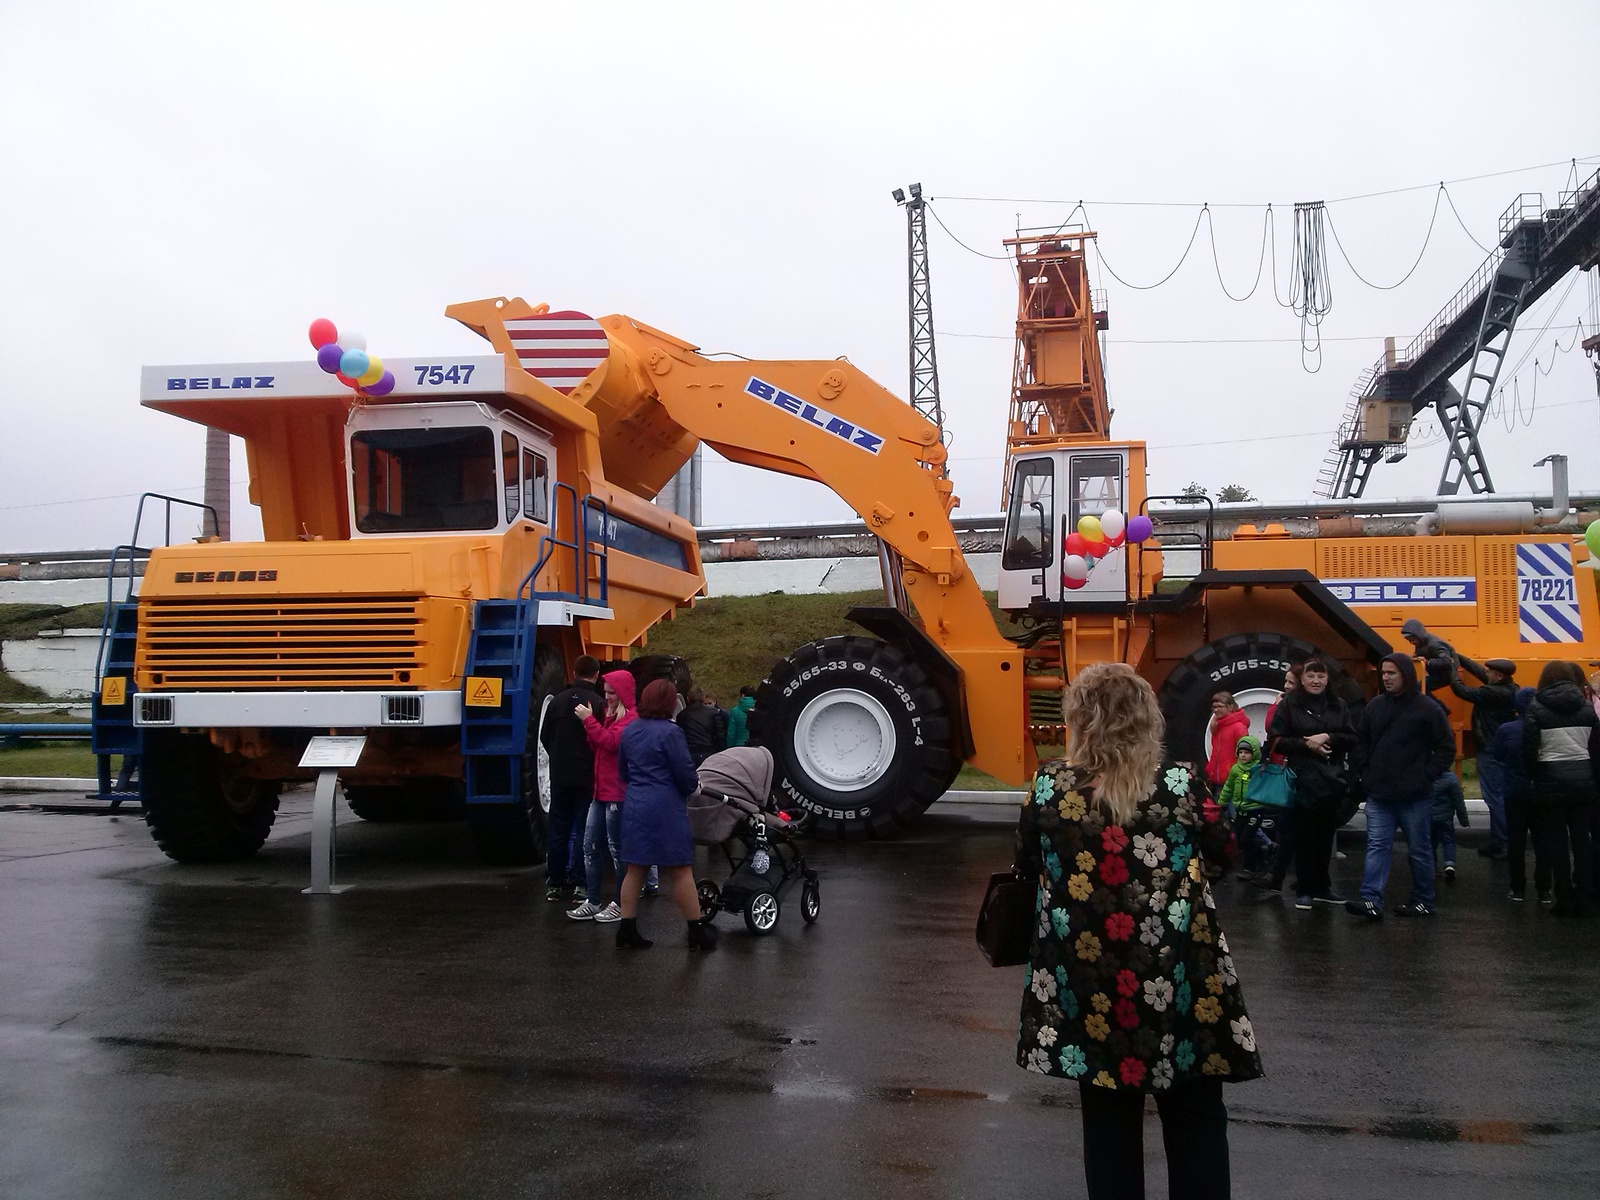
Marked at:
<point>702,934</point>
<point>629,937</point>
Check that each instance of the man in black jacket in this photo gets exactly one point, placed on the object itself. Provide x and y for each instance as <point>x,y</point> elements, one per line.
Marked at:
<point>1403,744</point>
<point>704,725</point>
<point>1312,730</point>
<point>1493,705</point>
<point>571,778</point>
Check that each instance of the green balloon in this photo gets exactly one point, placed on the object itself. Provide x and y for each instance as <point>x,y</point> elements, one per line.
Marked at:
<point>1591,538</point>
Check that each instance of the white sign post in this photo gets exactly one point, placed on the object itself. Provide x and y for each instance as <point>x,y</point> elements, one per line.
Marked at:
<point>328,755</point>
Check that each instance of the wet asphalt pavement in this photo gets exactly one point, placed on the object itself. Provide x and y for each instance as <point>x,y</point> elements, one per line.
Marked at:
<point>440,1030</point>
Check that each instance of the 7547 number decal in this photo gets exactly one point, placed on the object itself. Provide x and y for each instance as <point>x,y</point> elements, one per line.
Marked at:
<point>440,373</point>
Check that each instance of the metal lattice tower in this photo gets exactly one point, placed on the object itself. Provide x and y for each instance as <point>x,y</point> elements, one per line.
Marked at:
<point>924,362</point>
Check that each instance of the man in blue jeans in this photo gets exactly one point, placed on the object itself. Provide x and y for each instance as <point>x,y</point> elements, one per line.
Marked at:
<point>1403,744</point>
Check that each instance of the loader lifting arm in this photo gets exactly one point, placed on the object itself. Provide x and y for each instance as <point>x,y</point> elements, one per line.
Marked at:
<point>823,420</point>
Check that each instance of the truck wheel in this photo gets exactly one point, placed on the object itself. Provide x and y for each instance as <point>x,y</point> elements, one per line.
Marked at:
<point>1251,666</point>
<point>514,835</point>
<point>196,810</point>
<point>860,736</point>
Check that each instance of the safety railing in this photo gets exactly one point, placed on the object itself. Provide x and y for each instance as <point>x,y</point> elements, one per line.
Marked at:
<point>132,551</point>
<point>586,552</point>
<point>1187,542</point>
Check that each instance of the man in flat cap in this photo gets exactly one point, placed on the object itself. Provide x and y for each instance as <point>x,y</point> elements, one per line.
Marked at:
<point>1493,704</point>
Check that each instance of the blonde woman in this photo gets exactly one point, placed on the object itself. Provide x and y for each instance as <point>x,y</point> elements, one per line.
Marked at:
<point>1130,986</point>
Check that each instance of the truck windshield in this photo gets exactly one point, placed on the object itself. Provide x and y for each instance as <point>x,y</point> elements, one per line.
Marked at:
<point>424,480</point>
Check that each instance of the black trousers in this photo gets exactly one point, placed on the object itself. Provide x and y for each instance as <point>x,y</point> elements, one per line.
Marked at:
<point>1194,1129</point>
<point>1518,813</point>
<point>1563,833</point>
<point>1313,846</point>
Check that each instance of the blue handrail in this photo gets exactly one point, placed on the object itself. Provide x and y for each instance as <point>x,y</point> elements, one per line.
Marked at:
<point>583,552</point>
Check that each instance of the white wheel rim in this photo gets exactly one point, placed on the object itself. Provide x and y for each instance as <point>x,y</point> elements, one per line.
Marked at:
<point>1255,702</point>
<point>763,910</point>
<point>542,758</point>
<point>845,740</point>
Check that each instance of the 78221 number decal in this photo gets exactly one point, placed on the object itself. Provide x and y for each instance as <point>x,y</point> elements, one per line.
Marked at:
<point>1547,588</point>
<point>441,373</point>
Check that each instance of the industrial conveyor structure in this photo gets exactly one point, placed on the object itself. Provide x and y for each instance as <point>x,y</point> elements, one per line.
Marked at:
<point>1537,247</point>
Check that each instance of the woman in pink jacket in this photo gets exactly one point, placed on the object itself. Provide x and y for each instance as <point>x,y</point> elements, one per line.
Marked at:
<point>602,836</point>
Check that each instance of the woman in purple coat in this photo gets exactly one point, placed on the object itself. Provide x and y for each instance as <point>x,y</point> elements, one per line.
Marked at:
<point>654,763</point>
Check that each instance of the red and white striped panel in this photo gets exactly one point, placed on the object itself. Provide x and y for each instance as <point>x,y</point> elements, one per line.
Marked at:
<point>559,348</point>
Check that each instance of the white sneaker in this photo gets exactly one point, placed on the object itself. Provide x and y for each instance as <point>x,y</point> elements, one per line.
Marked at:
<point>608,914</point>
<point>585,912</point>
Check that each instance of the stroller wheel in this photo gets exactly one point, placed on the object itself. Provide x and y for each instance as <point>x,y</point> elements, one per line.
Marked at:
<point>710,895</point>
<point>810,901</point>
<point>761,913</point>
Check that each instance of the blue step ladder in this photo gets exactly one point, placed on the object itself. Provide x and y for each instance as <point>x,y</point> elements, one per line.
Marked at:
<point>504,646</point>
<point>112,730</point>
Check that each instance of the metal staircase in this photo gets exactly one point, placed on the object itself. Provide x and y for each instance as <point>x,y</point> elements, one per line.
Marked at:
<point>112,730</point>
<point>505,645</point>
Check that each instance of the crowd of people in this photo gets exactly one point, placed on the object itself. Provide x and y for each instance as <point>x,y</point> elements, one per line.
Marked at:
<point>622,766</point>
<point>1537,758</point>
<point>1130,988</point>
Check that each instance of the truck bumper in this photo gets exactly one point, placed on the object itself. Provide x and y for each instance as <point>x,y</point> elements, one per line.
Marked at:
<point>295,710</point>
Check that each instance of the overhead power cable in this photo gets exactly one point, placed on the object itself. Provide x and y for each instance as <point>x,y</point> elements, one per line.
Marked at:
<point>1145,287</point>
<point>1426,238</point>
<point>1310,288</point>
<point>1417,187</point>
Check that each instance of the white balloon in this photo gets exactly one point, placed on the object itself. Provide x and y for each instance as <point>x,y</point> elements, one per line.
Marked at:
<point>1075,566</point>
<point>353,341</point>
<point>1113,523</point>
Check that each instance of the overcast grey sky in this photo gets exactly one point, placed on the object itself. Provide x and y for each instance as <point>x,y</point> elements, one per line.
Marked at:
<point>194,182</point>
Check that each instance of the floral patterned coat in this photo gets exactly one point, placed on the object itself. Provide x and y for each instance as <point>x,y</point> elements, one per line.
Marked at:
<point>1130,984</point>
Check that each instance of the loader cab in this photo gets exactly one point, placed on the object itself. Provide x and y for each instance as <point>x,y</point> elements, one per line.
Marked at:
<point>1047,492</point>
<point>455,467</point>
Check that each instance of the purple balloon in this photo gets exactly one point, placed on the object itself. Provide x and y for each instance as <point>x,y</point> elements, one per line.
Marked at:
<point>383,386</point>
<point>328,358</point>
<point>1139,528</point>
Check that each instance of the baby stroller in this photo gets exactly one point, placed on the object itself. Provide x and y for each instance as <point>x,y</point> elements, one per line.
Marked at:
<point>734,810</point>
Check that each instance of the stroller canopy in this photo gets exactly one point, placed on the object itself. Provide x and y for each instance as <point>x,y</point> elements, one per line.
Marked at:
<point>744,771</point>
<point>744,776</point>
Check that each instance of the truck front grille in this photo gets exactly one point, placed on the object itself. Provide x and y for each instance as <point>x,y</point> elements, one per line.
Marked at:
<point>248,643</point>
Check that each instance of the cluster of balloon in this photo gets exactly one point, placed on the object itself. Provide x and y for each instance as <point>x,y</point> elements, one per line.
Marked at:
<point>347,360</point>
<point>1591,538</point>
<point>1095,536</point>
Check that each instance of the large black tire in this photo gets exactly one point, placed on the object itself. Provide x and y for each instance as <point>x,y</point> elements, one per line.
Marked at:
<point>414,800</point>
<point>515,835</point>
<point>196,810</point>
<point>1247,664</point>
<point>860,736</point>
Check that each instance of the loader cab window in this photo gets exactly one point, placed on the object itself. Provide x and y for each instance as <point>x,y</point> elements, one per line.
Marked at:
<point>1031,516</point>
<point>1096,485</point>
<point>508,467</point>
<point>535,487</point>
<point>424,480</point>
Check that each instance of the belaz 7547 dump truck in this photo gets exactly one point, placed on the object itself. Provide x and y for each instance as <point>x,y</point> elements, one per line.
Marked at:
<point>435,556</point>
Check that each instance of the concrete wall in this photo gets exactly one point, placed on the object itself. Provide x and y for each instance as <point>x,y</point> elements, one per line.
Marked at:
<point>60,664</point>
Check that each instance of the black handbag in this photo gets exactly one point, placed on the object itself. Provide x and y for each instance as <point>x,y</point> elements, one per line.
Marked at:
<point>1005,922</point>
